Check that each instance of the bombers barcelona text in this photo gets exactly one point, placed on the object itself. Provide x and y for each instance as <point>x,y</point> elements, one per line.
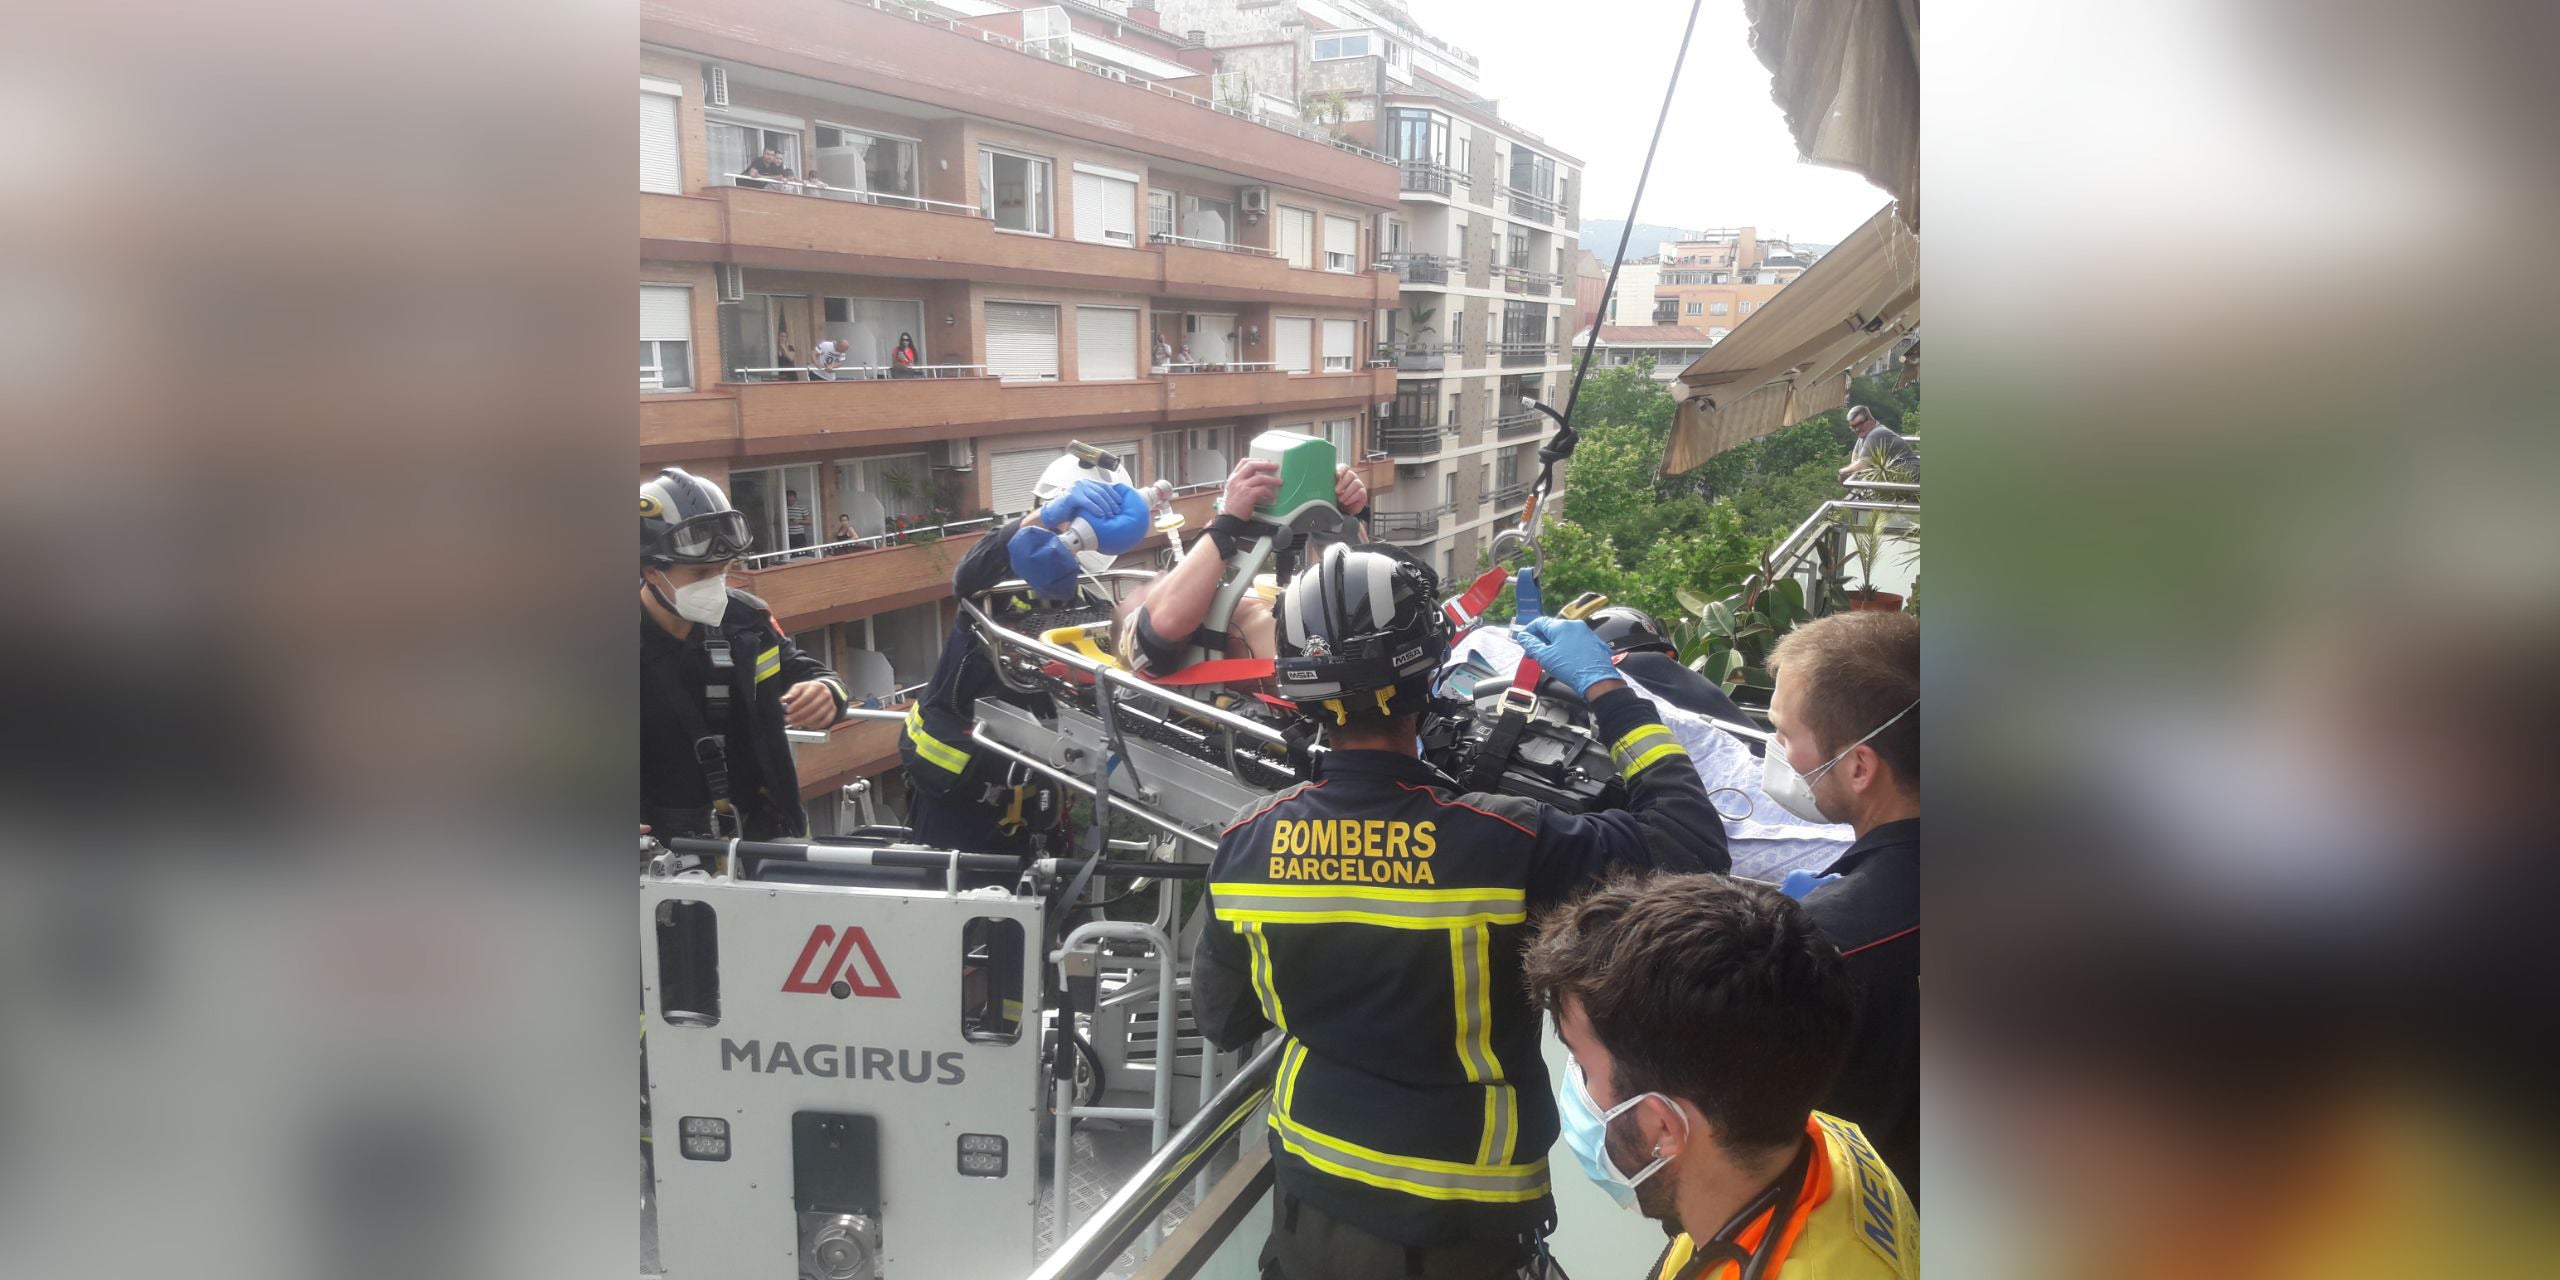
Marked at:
<point>1353,850</point>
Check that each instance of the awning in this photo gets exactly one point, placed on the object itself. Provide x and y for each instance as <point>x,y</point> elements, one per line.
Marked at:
<point>1847,75</point>
<point>1791,358</point>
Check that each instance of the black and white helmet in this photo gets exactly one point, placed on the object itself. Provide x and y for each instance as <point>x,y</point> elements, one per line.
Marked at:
<point>1627,629</point>
<point>685,519</point>
<point>1360,631</point>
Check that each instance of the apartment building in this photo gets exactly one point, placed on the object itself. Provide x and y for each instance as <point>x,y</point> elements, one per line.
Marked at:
<point>1483,245</point>
<point>1033,201</point>
<point>1716,281</point>
<point>1671,347</point>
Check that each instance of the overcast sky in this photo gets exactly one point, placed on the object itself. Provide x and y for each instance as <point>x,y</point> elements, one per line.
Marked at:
<point>1588,77</point>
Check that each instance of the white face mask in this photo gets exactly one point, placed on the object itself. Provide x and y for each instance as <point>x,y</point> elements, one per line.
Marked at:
<point>1794,791</point>
<point>706,602</point>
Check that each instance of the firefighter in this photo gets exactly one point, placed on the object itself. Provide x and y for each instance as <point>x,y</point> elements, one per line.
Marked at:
<point>960,795</point>
<point>1376,916</point>
<point>719,682</point>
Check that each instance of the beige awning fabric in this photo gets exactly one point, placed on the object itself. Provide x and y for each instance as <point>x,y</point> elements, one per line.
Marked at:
<point>1792,358</point>
<point>1847,75</point>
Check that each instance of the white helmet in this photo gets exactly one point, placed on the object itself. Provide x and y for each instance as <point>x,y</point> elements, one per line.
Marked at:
<point>1082,462</point>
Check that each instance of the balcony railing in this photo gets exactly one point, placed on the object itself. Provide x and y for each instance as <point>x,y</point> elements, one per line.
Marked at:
<point>870,542</point>
<point>1417,357</point>
<point>1522,353</point>
<point>813,187</point>
<point>1427,177</point>
<point>1511,426</point>
<point>1526,204</point>
<point>856,372</point>
<point>1420,268</point>
<point>1510,495</point>
<point>1520,279</point>
<point>1409,526</point>
<point>1420,441</point>
<point>1167,237</point>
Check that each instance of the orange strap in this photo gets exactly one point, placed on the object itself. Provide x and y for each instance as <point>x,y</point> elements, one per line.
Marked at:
<point>1466,608</point>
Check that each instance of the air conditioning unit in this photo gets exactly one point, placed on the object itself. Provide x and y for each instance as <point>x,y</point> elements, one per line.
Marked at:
<point>733,281</point>
<point>953,455</point>
<point>1254,199</point>
<point>715,84</point>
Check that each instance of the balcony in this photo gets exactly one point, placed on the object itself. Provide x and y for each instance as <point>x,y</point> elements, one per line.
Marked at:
<point>1409,526</point>
<point>854,749</point>
<point>1420,441</point>
<point>1426,178</point>
<point>1533,207</point>
<point>1421,268</point>
<point>1208,393</point>
<point>1417,357</point>
<point>1520,279</point>
<point>1208,269</point>
<point>1515,354</point>
<point>1508,496</point>
<point>1513,426</point>
<point>819,585</point>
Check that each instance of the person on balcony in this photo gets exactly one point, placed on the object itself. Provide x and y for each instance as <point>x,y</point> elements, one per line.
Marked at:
<point>1164,353</point>
<point>795,518</point>
<point>902,362</point>
<point>844,533</point>
<point>768,165</point>
<point>1159,623</point>
<point>1878,447</point>
<point>828,356</point>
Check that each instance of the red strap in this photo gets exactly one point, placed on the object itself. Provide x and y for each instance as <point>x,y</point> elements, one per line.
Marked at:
<point>1464,610</point>
<point>1217,671</point>
<point>1526,678</point>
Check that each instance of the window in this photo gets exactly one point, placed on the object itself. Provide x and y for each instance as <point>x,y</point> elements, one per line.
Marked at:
<point>1449,488</point>
<point>1106,207</point>
<point>1191,455</point>
<point>1418,136</point>
<point>1022,340</point>
<point>1014,190</point>
<point>1297,231</point>
<point>1345,435</point>
<point>666,338</point>
<point>1160,213</point>
<point>1296,343</point>
<point>1516,247</point>
<point>1484,482</point>
<point>851,162</point>
<point>1532,173</point>
<point>876,491</point>
<point>1106,343</point>
<point>1695,309</point>
<point>1448,566</point>
<point>1507,470</point>
<point>1718,308</point>
<point>1466,150</point>
<point>1340,339</point>
<point>1341,243</point>
<point>870,328</point>
<point>1359,45</point>
<point>1206,219</point>
<point>1746,307</point>
<point>890,651</point>
<point>737,143</point>
<point>661,168</point>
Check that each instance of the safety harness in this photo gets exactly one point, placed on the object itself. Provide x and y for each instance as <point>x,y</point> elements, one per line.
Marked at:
<point>706,724</point>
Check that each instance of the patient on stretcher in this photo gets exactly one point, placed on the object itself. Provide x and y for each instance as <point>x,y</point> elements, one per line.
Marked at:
<point>1157,626</point>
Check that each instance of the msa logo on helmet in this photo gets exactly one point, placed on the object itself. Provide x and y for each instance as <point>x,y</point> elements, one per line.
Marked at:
<point>1297,675</point>
<point>852,969</point>
<point>1408,655</point>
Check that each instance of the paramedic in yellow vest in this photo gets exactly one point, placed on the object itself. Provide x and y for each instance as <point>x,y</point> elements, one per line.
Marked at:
<point>1703,1016</point>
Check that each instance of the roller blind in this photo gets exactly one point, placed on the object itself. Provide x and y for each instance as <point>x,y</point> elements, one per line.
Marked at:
<point>1296,338</point>
<point>1297,236</point>
<point>1341,242</point>
<point>1022,340</point>
<point>1106,343</point>
<point>660,168</point>
<point>1012,475</point>
<point>666,313</point>
<point>1337,345</point>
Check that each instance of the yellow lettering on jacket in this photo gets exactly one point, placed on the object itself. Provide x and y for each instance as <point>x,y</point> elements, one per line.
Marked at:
<point>1352,850</point>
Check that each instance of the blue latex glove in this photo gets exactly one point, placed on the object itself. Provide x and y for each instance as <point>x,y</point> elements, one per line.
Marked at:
<point>1042,559</point>
<point>1569,650</point>
<point>1801,881</point>
<point>1109,518</point>
<point>1524,595</point>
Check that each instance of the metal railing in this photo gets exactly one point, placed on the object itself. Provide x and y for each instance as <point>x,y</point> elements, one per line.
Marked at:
<point>1219,366</point>
<point>867,542</point>
<point>1523,353</point>
<point>1420,268</point>
<point>1394,526</point>
<point>1091,1252</point>
<point>1222,246</point>
<point>1520,279</point>
<point>1529,204</point>
<point>1413,441</point>
<point>1417,357</point>
<point>854,372</point>
<point>1428,177</point>
<point>1510,494</point>
<point>856,195</point>
<point>1513,425</point>
<point>983,36</point>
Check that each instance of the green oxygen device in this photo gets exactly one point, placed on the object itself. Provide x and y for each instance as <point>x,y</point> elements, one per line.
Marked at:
<point>1306,474</point>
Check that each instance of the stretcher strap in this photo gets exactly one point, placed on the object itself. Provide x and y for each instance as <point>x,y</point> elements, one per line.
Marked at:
<point>1517,702</point>
<point>1214,671</point>
<point>1466,608</point>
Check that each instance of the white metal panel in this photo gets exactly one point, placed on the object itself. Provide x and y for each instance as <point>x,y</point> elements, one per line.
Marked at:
<point>1106,343</point>
<point>661,169</point>
<point>1120,211</point>
<point>1213,338</point>
<point>1296,335</point>
<point>1338,338</point>
<point>1022,340</point>
<point>666,313</point>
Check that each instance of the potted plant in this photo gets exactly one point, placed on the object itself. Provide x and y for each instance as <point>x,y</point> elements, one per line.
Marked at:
<point>1866,544</point>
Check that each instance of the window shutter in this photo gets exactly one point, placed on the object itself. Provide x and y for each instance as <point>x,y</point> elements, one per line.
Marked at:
<point>1013,475</point>
<point>1022,340</point>
<point>666,313</point>
<point>1120,211</point>
<point>1106,343</point>
<point>1295,336</point>
<point>661,169</point>
<point>1337,344</point>
<point>1091,195</point>
<point>1341,237</point>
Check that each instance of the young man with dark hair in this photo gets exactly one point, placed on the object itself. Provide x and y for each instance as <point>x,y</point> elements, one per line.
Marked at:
<point>1703,1017</point>
<point>1845,747</point>
<point>1376,915</point>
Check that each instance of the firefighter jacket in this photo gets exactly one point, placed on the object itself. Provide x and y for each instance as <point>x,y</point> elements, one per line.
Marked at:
<point>959,795</point>
<point>1376,916</point>
<point>762,785</point>
<point>1850,1221</point>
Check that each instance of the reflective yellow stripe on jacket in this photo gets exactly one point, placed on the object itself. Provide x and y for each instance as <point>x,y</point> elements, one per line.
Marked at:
<point>1413,1175</point>
<point>1647,746</point>
<point>1391,908</point>
<point>931,748</point>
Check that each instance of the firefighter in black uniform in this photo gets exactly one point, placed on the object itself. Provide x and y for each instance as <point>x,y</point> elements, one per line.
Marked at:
<point>960,795</point>
<point>1377,916</point>
<point>719,681</point>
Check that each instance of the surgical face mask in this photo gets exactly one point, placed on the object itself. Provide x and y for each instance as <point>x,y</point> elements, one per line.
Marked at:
<point>1586,1130</point>
<point>706,602</point>
<point>1793,791</point>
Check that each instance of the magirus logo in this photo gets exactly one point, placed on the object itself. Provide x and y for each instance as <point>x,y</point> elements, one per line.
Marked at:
<point>851,969</point>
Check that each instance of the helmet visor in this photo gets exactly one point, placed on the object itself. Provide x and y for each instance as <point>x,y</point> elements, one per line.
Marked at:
<point>711,536</point>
